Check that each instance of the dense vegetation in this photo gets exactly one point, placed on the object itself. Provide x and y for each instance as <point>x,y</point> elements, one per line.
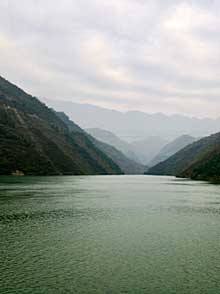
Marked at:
<point>199,160</point>
<point>35,141</point>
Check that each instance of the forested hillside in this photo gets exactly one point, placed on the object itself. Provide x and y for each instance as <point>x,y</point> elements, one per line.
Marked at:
<point>33,140</point>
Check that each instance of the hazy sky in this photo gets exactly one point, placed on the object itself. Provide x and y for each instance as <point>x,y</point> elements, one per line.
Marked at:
<point>155,56</point>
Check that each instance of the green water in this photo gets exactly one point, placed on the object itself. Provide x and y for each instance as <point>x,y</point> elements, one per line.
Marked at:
<point>109,234</point>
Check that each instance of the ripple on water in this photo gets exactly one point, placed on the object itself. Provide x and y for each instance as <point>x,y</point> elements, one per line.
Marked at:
<point>134,234</point>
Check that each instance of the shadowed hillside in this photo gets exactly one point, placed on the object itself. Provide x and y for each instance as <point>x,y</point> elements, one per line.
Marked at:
<point>33,140</point>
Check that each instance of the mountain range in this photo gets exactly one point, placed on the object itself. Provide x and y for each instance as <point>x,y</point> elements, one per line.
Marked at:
<point>135,125</point>
<point>141,151</point>
<point>37,140</point>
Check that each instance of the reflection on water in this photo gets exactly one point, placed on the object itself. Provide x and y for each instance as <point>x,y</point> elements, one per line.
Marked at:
<point>109,234</point>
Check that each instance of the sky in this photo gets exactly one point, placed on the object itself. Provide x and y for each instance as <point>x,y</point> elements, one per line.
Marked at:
<point>148,55</point>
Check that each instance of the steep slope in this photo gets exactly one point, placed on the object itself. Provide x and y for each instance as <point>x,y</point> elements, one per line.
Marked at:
<point>127,165</point>
<point>113,140</point>
<point>148,148</point>
<point>35,141</point>
<point>201,151</point>
<point>171,148</point>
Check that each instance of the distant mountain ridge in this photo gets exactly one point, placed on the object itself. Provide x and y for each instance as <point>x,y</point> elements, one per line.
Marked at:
<point>136,125</point>
<point>148,148</point>
<point>111,139</point>
<point>139,151</point>
<point>34,141</point>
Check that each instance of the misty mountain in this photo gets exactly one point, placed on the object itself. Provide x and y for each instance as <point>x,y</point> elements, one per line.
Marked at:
<point>135,125</point>
<point>147,149</point>
<point>34,141</point>
<point>199,160</point>
<point>171,148</point>
<point>111,139</point>
<point>127,165</point>
<point>139,151</point>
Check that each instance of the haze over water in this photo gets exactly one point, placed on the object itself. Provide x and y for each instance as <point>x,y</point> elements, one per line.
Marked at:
<point>109,234</point>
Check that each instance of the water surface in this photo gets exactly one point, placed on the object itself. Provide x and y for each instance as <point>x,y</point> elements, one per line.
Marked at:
<point>109,234</point>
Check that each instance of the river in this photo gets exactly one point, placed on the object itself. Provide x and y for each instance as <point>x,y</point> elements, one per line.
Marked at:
<point>109,234</point>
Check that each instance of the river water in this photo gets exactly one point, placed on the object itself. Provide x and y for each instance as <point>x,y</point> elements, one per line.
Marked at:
<point>109,234</point>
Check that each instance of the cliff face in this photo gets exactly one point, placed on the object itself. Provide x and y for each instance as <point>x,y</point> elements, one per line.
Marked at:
<point>34,140</point>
